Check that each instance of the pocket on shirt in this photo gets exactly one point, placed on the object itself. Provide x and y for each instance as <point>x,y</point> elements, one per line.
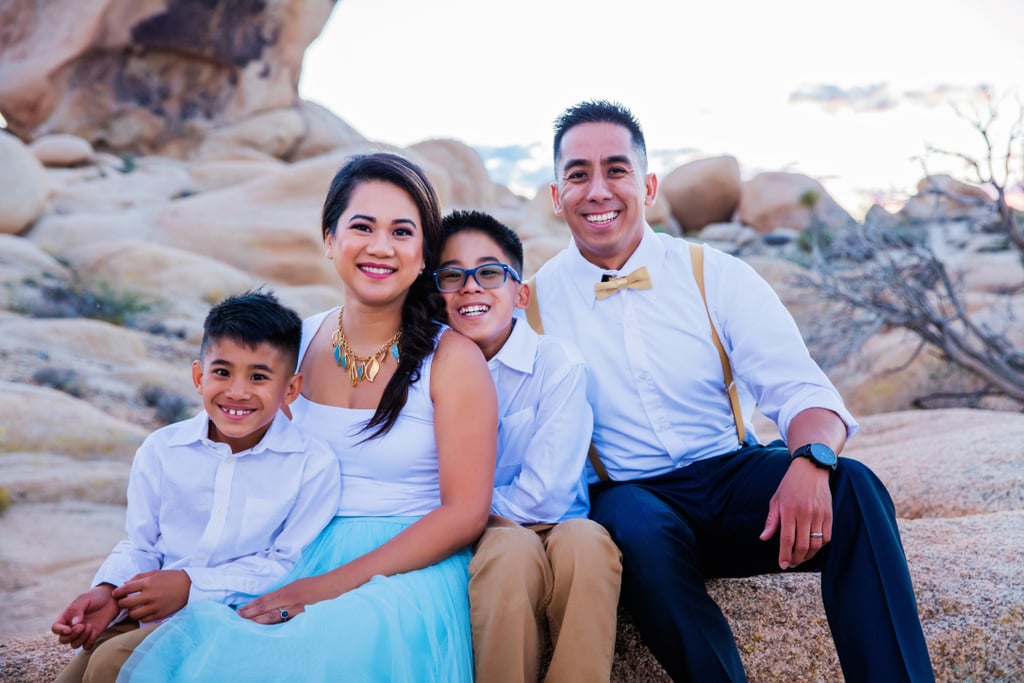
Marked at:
<point>514,433</point>
<point>261,520</point>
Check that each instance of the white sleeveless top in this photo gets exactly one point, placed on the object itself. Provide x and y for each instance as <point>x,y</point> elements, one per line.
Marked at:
<point>388,476</point>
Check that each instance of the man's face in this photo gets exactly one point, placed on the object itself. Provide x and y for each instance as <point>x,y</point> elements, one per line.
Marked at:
<point>601,192</point>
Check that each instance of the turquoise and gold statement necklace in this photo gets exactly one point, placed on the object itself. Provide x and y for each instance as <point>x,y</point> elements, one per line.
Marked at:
<point>361,367</point>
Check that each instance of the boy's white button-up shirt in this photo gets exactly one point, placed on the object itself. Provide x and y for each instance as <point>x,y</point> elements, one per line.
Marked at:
<point>543,430</point>
<point>234,522</point>
<point>655,376</point>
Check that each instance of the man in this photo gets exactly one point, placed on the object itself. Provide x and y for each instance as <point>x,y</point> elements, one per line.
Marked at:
<point>692,494</point>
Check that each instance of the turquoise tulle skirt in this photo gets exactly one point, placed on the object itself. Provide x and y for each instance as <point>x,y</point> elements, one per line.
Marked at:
<point>411,627</point>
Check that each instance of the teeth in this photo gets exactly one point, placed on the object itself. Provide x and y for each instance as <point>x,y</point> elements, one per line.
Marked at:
<point>602,217</point>
<point>476,309</point>
<point>377,271</point>
<point>237,413</point>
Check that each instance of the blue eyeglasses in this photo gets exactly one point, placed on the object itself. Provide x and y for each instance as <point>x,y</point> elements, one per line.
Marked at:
<point>488,276</point>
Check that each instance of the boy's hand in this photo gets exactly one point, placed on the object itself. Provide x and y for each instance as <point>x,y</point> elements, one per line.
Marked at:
<point>154,595</point>
<point>86,617</point>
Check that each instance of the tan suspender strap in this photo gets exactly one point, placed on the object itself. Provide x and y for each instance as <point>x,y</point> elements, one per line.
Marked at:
<point>697,259</point>
<point>533,308</point>
<point>595,461</point>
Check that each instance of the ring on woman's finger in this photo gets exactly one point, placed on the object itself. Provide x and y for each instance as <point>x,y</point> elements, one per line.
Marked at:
<point>284,613</point>
<point>817,534</point>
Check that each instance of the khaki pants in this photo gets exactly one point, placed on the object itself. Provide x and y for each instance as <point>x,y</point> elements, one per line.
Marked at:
<point>103,662</point>
<point>566,574</point>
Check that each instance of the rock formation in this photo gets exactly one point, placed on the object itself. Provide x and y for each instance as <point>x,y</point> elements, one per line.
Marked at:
<point>157,76</point>
<point>158,158</point>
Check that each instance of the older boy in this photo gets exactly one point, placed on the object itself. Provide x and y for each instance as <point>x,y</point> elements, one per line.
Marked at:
<point>219,506</point>
<point>540,558</point>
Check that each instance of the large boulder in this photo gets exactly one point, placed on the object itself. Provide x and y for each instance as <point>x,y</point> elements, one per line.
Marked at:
<point>943,198</point>
<point>24,269</point>
<point>50,420</point>
<point>964,561</point>
<point>469,184</point>
<point>324,132</point>
<point>773,200</point>
<point>702,192</point>
<point>268,227</point>
<point>24,184</point>
<point>150,76</point>
<point>61,149</point>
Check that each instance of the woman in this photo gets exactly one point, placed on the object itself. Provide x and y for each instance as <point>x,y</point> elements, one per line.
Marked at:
<point>409,408</point>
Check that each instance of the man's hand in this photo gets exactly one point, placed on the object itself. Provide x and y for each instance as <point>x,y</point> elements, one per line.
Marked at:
<point>801,506</point>
<point>86,617</point>
<point>154,595</point>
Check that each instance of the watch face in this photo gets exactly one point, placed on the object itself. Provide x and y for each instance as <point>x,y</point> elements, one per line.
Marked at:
<point>823,454</point>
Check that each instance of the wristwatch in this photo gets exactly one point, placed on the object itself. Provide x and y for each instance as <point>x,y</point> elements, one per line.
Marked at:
<point>818,453</point>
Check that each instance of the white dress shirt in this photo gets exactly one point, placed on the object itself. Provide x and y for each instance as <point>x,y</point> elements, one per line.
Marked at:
<point>235,522</point>
<point>656,382</point>
<point>543,430</point>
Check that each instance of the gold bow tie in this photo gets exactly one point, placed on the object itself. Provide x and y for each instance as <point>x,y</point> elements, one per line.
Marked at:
<point>638,279</point>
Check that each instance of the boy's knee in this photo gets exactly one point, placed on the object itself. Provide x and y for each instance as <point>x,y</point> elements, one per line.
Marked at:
<point>583,543</point>
<point>106,662</point>
<point>508,560</point>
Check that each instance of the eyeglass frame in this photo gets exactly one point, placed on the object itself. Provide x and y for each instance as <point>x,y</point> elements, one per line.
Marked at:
<point>467,272</point>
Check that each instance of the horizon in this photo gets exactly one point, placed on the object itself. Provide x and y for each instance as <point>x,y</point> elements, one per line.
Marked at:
<point>856,110</point>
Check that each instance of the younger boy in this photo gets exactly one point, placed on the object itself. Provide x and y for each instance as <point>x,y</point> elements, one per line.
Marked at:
<point>540,558</point>
<point>219,506</point>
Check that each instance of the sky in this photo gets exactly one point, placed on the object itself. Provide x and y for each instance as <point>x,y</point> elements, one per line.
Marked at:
<point>850,93</point>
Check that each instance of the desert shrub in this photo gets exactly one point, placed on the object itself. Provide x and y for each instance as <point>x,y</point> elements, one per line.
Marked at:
<point>63,379</point>
<point>75,299</point>
<point>169,407</point>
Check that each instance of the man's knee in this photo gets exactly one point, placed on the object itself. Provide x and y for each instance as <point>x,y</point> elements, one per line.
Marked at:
<point>856,478</point>
<point>638,520</point>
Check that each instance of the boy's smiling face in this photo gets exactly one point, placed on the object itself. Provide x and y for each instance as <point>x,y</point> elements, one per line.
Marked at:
<point>483,315</point>
<point>242,390</point>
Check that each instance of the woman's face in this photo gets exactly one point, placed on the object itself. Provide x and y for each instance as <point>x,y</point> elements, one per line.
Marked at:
<point>377,246</point>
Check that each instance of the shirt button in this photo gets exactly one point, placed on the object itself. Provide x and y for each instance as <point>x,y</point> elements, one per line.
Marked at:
<point>201,557</point>
<point>643,377</point>
<point>230,460</point>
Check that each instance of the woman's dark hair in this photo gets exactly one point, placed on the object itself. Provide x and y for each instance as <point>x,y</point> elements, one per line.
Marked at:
<point>423,307</point>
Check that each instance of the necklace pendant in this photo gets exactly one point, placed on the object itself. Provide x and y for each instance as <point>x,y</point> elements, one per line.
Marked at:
<point>372,369</point>
<point>394,351</point>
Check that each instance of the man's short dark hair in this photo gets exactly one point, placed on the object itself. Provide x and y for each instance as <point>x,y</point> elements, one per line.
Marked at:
<point>600,111</point>
<point>509,242</point>
<point>252,318</point>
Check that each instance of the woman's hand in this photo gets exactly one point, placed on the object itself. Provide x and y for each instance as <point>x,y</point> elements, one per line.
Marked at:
<point>286,602</point>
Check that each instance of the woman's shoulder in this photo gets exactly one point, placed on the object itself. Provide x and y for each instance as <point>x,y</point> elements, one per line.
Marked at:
<point>456,353</point>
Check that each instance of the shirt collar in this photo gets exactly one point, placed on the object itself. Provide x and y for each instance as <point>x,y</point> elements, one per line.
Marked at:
<point>519,349</point>
<point>584,274</point>
<point>282,437</point>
